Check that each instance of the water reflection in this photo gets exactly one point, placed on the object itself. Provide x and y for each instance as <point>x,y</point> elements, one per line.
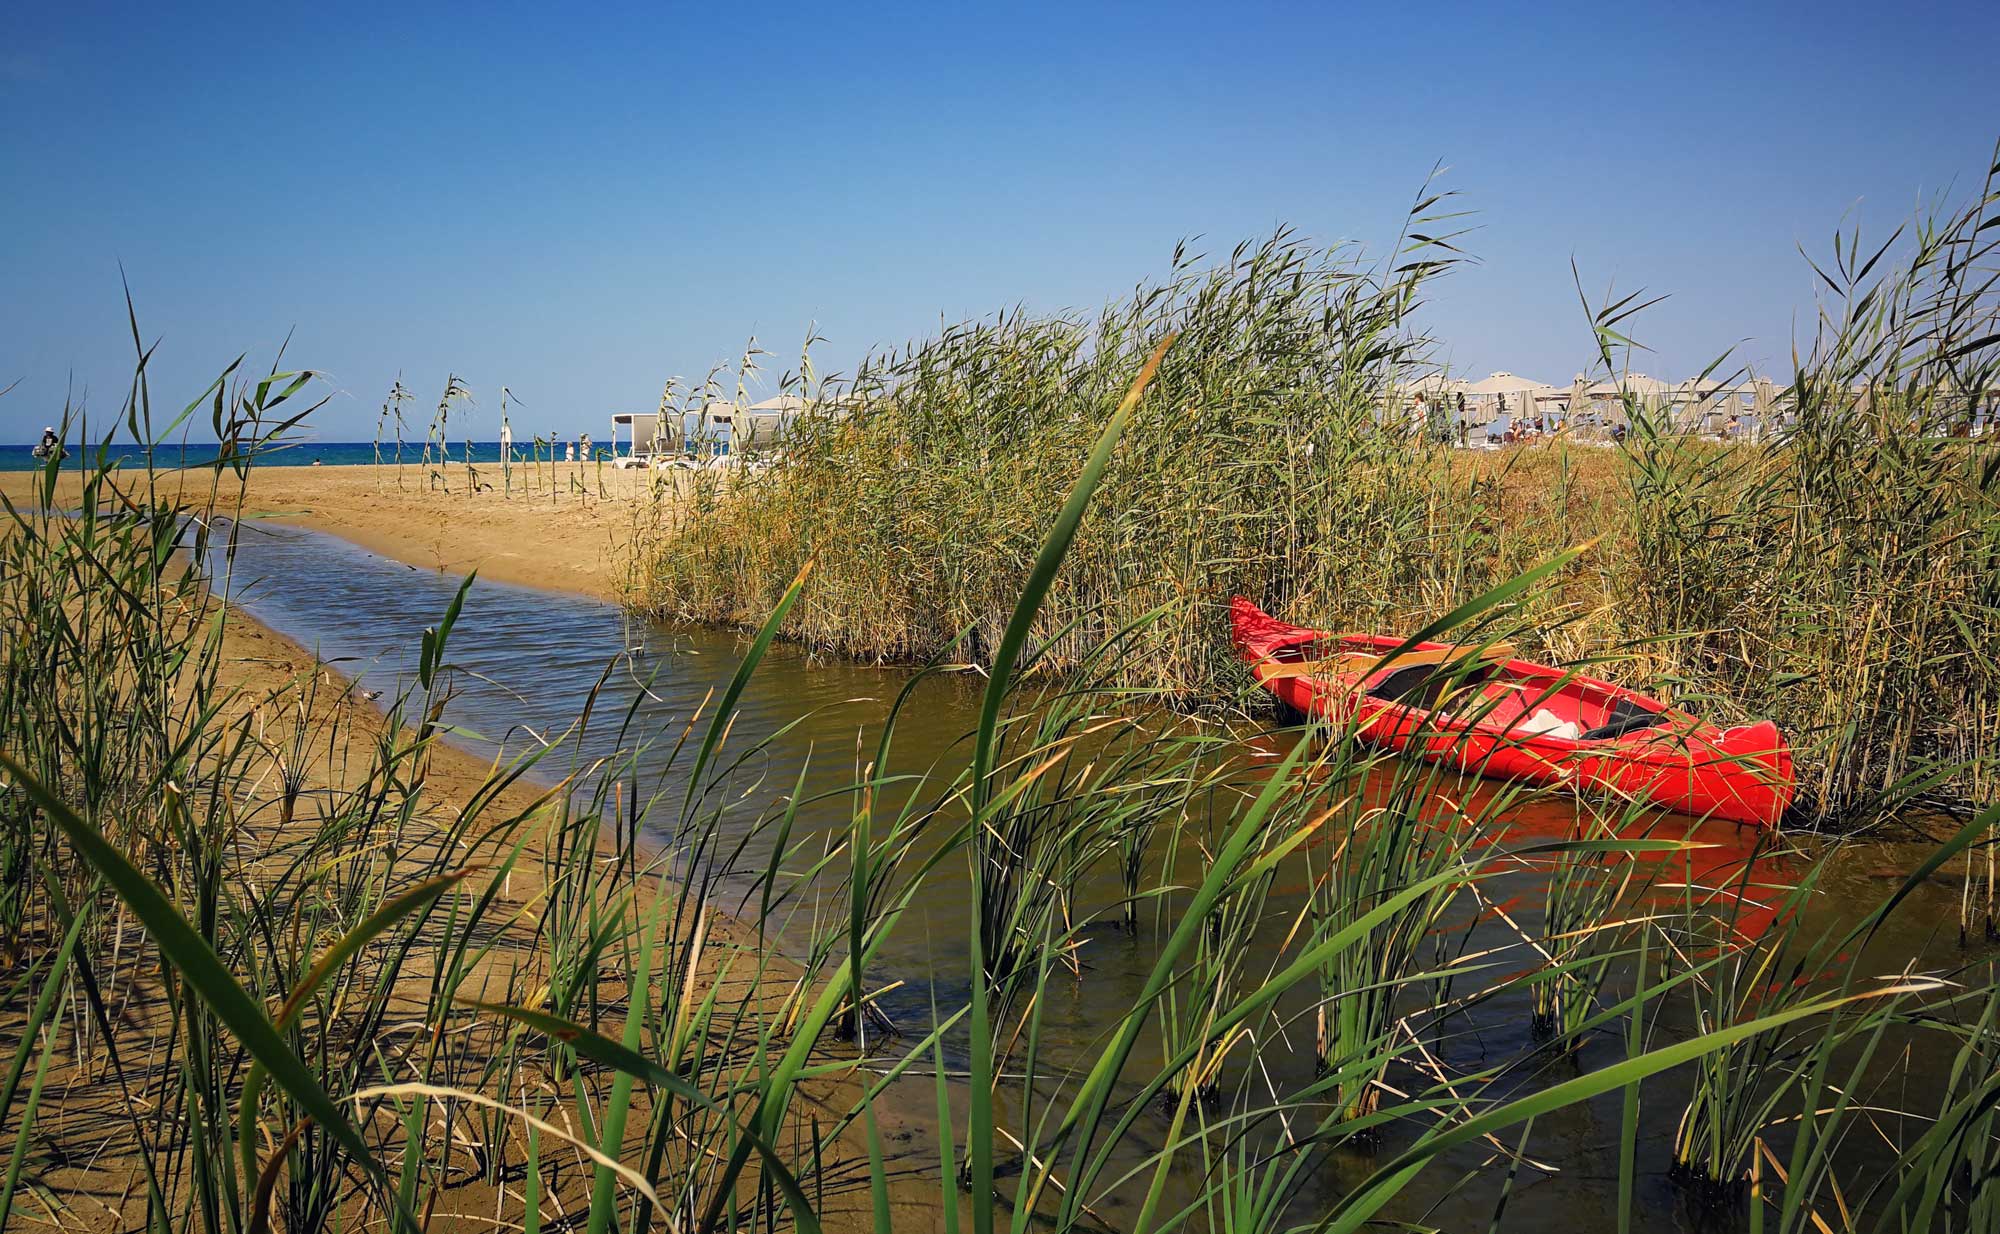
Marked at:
<point>528,663</point>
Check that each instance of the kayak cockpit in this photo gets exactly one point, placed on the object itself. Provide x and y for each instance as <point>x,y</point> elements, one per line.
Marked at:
<point>1494,695</point>
<point>1460,686</point>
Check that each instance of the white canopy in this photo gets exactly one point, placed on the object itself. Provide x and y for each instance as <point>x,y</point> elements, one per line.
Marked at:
<point>1430,385</point>
<point>759,424</point>
<point>1504,382</point>
<point>1636,384</point>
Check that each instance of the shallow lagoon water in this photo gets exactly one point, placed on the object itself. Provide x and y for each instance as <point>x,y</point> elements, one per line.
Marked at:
<point>529,661</point>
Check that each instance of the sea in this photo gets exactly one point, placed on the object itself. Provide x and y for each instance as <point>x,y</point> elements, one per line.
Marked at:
<point>290,454</point>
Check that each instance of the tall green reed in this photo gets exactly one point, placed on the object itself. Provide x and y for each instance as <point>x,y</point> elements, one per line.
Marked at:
<point>1840,580</point>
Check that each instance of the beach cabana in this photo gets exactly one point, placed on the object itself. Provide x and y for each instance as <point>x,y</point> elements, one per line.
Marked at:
<point>645,434</point>
<point>712,426</point>
<point>757,426</point>
<point>765,424</point>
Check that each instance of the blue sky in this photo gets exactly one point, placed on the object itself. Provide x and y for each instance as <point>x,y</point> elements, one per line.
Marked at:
<point>579,201</point>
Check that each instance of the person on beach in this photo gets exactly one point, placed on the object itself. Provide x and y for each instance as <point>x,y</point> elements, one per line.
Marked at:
<point>51,445</point>
<point>583,444</point>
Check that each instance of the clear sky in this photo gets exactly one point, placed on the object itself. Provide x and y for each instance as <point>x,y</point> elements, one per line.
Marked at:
<point>578,200</point>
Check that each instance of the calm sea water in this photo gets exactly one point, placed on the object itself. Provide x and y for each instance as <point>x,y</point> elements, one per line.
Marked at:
<point>296,454</point>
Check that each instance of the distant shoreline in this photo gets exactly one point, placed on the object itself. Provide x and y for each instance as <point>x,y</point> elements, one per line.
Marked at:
<point>14,458</point>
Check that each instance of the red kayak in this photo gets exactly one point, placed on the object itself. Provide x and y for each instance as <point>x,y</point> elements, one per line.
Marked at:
<point>1491,714</point>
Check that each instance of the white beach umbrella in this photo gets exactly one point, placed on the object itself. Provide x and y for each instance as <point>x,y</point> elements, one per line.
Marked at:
<point>1507,391</point>
<point>1649,392</point>
<point>1507,383</point>
<point>1764,405</point>
<point>1431,385</point>
<point>1638,384</point>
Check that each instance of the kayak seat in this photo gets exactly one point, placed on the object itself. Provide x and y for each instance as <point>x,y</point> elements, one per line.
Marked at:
<point>1421,676</point>
<point>1626,717</point>
<point>1423,684</point>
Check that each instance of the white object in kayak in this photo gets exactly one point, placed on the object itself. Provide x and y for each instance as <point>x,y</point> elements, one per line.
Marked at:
<point>1546,723</point>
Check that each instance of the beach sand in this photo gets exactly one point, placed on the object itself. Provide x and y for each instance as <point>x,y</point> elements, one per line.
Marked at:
<point>569,531</point>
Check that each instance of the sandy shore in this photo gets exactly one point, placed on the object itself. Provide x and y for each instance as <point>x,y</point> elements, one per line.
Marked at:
<point>572,541</point>
<point>569,528</point>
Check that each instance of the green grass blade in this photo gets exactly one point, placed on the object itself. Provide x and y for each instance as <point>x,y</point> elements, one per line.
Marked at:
<point>979,1133</point>
<point>1359,1207</point>
<point>203,970</point>
<point>630,1062</point>
<point>745,670</point>
<point>343,949</point>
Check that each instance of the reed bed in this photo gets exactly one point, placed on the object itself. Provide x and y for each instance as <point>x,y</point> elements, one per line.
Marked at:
<point>1844,581</point>
<point>922,504</point>
<point>1838,577</point>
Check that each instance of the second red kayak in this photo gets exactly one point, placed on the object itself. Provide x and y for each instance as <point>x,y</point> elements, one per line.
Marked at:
<point>1491,714</point>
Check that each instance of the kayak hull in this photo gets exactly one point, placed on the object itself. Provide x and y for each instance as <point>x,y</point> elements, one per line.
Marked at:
<point>1524,722</point>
